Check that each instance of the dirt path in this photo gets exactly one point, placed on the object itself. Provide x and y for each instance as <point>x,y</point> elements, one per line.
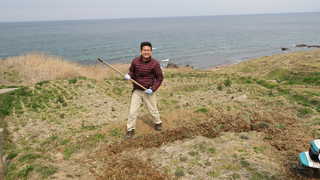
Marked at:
<point>7,90</point>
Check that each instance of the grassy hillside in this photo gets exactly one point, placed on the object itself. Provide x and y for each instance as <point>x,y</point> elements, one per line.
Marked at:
<point>244,121</point>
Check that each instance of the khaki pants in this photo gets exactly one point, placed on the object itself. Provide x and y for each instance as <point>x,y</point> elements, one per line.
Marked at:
<point>139,96</point>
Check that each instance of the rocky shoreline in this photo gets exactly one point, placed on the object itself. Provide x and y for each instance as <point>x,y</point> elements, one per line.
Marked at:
<point>301,46</point>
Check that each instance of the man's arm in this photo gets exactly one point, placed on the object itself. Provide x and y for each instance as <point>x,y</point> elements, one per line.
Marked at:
<point>158,77</point>
<point>132,70</point>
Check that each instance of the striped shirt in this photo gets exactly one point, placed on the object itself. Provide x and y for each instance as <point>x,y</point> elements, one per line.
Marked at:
<point>148,74</point>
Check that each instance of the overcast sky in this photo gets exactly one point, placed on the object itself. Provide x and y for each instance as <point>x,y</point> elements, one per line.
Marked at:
<point>34,10</point>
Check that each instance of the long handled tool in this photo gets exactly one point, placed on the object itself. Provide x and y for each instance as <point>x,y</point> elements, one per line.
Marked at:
<point>122,74</point>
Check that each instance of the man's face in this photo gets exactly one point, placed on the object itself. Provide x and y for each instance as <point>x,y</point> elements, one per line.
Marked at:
<point>146,52</point>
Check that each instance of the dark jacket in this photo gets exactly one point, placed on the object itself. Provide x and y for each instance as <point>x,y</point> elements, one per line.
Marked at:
<point>148,74</point>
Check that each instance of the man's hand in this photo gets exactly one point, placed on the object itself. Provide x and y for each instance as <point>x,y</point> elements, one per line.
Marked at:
<point>148,91</point>
<point>127,77</point>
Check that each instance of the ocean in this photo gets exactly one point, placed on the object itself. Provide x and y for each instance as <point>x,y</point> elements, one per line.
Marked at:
<point>200,42</point>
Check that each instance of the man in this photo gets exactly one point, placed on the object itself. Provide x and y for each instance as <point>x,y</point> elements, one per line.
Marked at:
<point>146,71</point>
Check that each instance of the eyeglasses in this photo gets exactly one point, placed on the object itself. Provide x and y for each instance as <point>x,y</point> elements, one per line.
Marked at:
<point>146,50</point>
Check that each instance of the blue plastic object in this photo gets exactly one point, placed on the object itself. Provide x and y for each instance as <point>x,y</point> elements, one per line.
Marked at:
<point>303,158</point>
<point>315,146</point>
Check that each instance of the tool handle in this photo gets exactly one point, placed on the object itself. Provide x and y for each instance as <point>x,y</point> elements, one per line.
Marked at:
<point>122,74</point>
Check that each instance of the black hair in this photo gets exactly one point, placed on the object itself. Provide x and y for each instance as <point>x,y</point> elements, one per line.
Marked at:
<point>145,44</point>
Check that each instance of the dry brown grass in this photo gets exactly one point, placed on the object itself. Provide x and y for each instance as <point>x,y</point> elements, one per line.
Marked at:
<point>287,141</point>
<point>306,61</point>
<point>131,168</point>
<point>182,118</point>
<point>35,67</point>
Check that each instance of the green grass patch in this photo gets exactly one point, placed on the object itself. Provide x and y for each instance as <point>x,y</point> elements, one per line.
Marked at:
<point>27,98</point>
<point>280,126</point>
<point>75,80</point>
<point>179,172</point>
<point>259,149</point>
<point>303,112</point>
<point>24,172</point>
<point>244,163</point>
<point>310,93</point>
<point>46,171</point>
<point>5,87</point>
<point>202,110</point>
<point>227,82</point>
<point>96,137</point>
<point>11,171</point>
<point>12,155</point>
<point>245,80</point>
<point>278,74</point>
<point>220,87</point>
<point>64,141</point>
<point>69,150</point>
<point>116,132</point>
<point>266,84</point>
<point>30,157</point>
<point>90,127</point>
<point>211,150</point>
<point>304,100</point>
<point>10,100</point>
<point>289,77</point>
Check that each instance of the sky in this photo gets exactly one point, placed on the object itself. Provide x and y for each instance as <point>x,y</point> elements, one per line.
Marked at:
<point>43,10</point>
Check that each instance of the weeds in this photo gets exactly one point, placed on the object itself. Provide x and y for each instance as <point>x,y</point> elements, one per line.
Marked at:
<point>244,163</point>
<point>213,173</point>
<point>300,99</point>
<point>289,77</point>
<point>46,171</point>
<point>116,132</point>
<point>9,101</point>
<point>303,112</point>
<point>212,150</point>
<point>96,138</point>
<point>27,158</point>
<point>12,155</point>
<point>89,127</point>
<point>259,149</point>
<point>220,87</point>
<point>69,150</point>
<point>23,173</point>
<point>227,82</point>
<point>179,172</point>
<point>266,84</point>
<point>280,126</point>
<point>202,110</point>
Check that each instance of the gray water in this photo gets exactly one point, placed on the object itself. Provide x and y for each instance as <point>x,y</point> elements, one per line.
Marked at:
<point>198,41</point>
